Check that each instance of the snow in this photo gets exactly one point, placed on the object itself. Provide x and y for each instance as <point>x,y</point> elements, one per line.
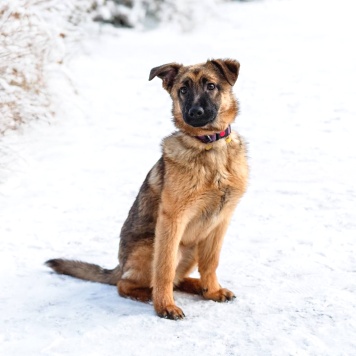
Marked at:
<point>289,254</point>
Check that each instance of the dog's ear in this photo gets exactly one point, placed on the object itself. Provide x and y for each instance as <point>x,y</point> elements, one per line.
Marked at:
<point>229,68</point>
<point>167,72</point>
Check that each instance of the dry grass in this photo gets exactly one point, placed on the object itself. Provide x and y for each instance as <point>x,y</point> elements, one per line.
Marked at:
<point>24,52</point>
<point>34,39</point>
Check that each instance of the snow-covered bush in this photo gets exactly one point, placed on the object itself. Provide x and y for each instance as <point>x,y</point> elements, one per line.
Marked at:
<point>34,40</point>
<point>24,50</point>
<point>148,13</point>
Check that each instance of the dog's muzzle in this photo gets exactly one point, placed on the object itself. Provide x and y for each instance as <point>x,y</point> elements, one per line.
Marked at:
<point>196,116</point>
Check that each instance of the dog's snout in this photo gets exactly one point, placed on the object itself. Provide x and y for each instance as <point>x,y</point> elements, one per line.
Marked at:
<point>196,112</point>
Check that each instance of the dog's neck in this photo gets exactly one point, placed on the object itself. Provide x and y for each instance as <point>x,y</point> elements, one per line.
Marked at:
<point>214,137</point>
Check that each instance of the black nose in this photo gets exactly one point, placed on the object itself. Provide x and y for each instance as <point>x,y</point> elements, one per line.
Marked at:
<point>196,112</point>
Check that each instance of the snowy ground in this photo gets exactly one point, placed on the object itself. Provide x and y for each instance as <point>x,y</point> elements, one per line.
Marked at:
<point>290,253</point>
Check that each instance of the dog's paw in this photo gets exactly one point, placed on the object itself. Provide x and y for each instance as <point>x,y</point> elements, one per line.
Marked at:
<point>171,312</point>
<point>222,295</point>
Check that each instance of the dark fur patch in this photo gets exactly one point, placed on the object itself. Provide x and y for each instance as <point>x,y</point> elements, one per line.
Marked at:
<point>141,221</point>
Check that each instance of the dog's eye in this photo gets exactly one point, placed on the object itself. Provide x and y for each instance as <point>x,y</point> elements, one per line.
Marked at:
<point>183,90</point>
<point>211,86</point>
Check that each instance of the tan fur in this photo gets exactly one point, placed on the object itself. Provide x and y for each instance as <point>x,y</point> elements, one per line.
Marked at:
<point>183,209</point>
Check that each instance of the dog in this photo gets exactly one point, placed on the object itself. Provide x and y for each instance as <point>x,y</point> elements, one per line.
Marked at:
<point>182,211</point>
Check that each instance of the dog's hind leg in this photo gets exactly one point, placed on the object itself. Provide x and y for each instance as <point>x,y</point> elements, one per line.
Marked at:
<point>135,282</point>
<point>130,289</point>
<point>187,263</point>
<point>190,285</point>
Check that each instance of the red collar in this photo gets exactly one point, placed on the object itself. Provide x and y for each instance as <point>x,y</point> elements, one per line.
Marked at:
<point>214,137</point>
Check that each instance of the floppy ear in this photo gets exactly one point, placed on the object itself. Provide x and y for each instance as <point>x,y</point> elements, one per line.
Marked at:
<point>167,72</point>
<point>229,68</point>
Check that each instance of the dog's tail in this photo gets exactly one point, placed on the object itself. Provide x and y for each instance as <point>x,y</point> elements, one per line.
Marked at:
<point>86,271</point>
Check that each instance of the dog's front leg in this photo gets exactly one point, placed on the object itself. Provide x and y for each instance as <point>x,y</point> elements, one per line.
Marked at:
<point>208,260</point>
<point>169,229</point>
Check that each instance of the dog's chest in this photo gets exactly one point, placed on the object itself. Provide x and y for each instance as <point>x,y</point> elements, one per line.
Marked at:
<point>218,193</point>
<point>212,189</point>
<point>210,207</point>
<point>206,181</point>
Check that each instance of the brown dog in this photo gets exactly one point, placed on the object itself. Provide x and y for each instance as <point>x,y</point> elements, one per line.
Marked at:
<point>184,206</point>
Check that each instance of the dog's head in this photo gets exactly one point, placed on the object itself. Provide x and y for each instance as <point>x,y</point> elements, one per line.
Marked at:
<point>203,101</point>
